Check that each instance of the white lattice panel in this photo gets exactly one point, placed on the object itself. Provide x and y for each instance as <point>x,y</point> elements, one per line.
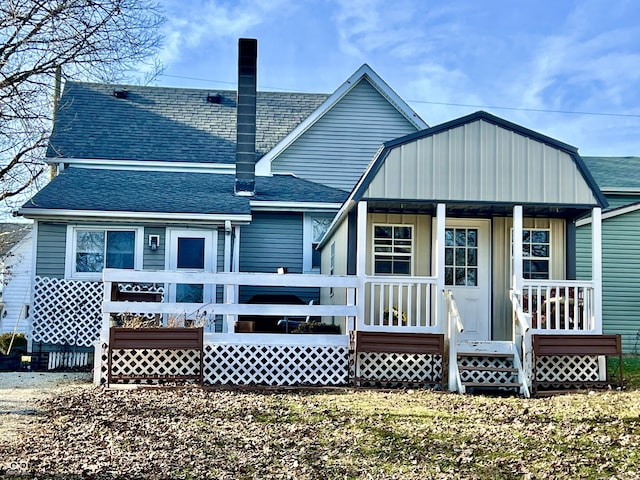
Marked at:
<point>486,376</point>
<point>399,367</point>
<point>564,369</point>
<point>226,364</point>
<point>155,362</point>
<point>67,311</point>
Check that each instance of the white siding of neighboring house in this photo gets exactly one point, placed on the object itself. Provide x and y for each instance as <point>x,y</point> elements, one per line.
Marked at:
<point>17,292</point>
<point>339,146</point>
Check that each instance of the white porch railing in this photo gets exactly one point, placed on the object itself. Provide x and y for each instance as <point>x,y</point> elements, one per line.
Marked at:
<point>404,304</point>
<point>521,338</point>
<point>229,308</point>
<point>454,327</point>
<point>560,306</point>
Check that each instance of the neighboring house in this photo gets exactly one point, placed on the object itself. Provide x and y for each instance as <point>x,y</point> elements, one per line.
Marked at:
<point>160,178</point>
<point>619,180</point>
<point>16,251</point>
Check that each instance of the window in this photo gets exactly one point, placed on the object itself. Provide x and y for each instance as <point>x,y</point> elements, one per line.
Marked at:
<point>315,226</point>
<point>461,257</point>
<point>536,253</point>
<point>94,249</point>
<point>393,249</point>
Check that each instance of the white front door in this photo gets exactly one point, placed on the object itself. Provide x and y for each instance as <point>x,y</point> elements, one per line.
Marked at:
<point>193,251</point>
<point>467,274</point>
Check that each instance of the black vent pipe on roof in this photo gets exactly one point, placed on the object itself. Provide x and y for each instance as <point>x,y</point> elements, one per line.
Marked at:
<point>246,117</point>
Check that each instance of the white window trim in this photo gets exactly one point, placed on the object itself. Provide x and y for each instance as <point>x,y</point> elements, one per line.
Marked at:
<point>307,242</point>
<point>550,257</point>
<point>373,246</point>
<point>70,260</point>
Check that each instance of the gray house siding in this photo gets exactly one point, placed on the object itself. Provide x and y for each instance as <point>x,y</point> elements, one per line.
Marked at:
<point>273,240</point>
<point>51,248</point>
<point>338,147</point>
<point>620,278</point>
<point>154,260</point>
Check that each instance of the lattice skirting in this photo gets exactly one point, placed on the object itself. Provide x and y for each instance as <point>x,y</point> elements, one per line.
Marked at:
<point>486,376</point>
<point>556,371</point>
<point>66,311</point>
<point>153,362</point>
<point>393,369</point>
<point>224,364</point>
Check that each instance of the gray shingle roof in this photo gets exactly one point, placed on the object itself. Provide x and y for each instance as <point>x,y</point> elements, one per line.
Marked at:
<point>611,173</point>
<point>167,124</point>
<point>169,192</point>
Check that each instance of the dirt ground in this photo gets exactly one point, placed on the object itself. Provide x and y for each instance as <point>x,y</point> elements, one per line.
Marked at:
<point>21,391</point>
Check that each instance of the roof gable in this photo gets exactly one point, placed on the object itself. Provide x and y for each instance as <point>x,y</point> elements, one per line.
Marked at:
<point>365,72</point>
<point>480,158</point>
<point>167,124</point>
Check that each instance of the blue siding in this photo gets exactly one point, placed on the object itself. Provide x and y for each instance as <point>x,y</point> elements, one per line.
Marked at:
<point>620,275</point>
<point>51,249</point>
<point>273,240</point>
<point>338,147</point>
<point>154,260</point>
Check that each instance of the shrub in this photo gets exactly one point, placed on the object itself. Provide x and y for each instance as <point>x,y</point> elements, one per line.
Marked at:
<point>316,327</point>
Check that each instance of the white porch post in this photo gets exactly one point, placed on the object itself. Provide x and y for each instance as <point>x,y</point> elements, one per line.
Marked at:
<point>227,246</point>
<point>596,265</point>
<point>438,268</point>
<point>442,316</point>
<point>517,281</point>
<point>361,260</point>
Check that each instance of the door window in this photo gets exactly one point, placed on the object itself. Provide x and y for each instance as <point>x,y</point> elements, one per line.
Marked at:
<point>461,257</point>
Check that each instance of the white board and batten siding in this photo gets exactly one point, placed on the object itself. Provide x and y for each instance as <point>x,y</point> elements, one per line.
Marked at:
<point>620,278</point>
<point>480,161</point>
<point>16,294</point>
<point>339,146</point>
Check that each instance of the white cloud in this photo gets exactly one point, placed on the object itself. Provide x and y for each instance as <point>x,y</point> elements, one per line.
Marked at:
<point>190,28</point>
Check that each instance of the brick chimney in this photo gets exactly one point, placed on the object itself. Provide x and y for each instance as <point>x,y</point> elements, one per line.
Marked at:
<point>246,117</point>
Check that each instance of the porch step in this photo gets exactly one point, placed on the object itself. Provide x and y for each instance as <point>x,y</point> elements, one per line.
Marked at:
<point>487,367</point>
<point>492,385</point>
<point>490,369</point>
<point>485,354</point>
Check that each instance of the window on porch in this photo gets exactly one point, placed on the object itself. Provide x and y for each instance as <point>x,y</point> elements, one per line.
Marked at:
<point>393,249</point>
<point>536,253</point>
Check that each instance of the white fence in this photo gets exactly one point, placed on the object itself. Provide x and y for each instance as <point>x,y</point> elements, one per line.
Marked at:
<point>229,308</point>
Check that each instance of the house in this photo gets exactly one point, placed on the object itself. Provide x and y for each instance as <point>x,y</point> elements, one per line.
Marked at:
<point>483,210</point>
<point>187,205</point>
<point>15,276</point>
<point>619,180</point>
<point>155,178</point>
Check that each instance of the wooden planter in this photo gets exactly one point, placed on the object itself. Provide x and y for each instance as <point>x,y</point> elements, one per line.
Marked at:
<point>121,338</point>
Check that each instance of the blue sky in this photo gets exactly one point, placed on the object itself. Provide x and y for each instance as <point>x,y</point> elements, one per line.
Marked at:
<point>576,56</point>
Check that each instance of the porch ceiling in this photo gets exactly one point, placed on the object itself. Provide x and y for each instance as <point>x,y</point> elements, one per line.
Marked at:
<point>477,210</point>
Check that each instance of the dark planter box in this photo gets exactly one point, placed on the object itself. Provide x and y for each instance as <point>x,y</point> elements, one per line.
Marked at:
<point>9,363</point>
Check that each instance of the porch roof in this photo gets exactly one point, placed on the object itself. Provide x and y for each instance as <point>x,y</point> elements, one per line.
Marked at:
<point>103,190</point>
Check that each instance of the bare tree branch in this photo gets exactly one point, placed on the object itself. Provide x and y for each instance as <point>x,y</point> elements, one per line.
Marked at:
<point>92,40</point>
